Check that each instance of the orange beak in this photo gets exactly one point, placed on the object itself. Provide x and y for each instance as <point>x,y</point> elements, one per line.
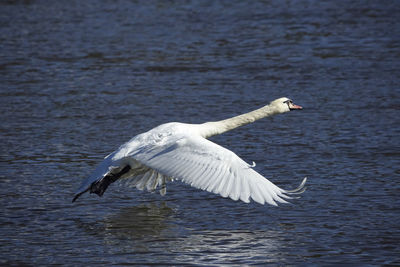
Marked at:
<point>295,107</point>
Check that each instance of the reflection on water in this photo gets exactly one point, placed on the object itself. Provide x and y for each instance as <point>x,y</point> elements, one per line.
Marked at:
<point>154,229</point>
<point>146,220</point>
<point>230,246</point>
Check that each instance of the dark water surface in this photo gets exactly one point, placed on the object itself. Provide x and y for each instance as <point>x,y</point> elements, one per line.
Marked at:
<point>79,78</point>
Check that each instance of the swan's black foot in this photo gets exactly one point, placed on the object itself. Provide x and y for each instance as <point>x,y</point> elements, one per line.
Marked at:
<point>100,186</point>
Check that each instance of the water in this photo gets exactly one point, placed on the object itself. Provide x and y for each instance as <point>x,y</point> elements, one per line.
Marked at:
<point>80,78</point>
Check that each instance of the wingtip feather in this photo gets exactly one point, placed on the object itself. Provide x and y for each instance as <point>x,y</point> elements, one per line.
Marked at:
<point>300,189</point>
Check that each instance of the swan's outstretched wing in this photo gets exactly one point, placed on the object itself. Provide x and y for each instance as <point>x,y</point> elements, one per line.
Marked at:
<point>191,159</point>
<point>208,166</point>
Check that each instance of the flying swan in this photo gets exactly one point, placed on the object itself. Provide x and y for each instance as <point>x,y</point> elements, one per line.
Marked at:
<point>180,151</point>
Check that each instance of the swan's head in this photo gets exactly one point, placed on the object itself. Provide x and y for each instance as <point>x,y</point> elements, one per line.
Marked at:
<point>284,104</point>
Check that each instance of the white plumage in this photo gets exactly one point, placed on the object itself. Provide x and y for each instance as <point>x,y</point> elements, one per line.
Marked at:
<point>181,151</point>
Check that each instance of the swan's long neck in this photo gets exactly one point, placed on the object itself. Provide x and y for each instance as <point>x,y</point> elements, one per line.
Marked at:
<point>219,127</point>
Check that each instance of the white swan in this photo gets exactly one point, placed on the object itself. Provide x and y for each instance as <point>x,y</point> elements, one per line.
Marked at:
<point>181,151</point>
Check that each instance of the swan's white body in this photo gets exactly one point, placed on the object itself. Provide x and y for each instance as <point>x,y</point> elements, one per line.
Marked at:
<point>181,151</point>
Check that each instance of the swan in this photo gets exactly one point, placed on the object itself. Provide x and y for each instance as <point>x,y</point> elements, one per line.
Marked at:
<point>180,151</point>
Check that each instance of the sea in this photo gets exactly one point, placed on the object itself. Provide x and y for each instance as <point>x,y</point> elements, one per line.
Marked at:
<point>80,78</point>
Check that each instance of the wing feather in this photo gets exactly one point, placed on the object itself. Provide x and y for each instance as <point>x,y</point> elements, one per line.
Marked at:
<point>150,185</point>
<point>245,191</point>
<point>208,179</point>
<point>233,183</point>
<point>255,193</point>
<point>142,182</point>
<point>198,177</point>
<point>225,184</point>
